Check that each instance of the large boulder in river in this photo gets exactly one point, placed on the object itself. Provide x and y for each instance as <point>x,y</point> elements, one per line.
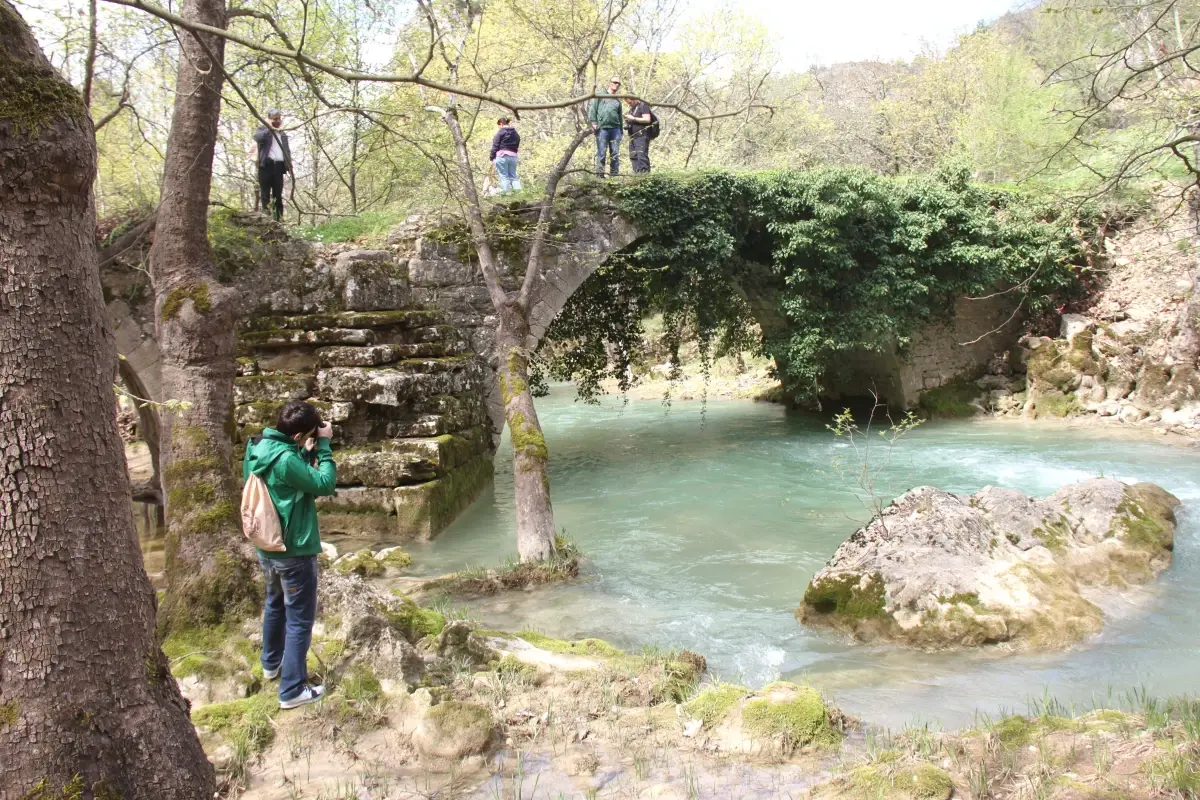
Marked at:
<point>938,570</point>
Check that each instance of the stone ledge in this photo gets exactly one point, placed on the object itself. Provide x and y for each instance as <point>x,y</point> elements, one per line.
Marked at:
<point>348,319</point>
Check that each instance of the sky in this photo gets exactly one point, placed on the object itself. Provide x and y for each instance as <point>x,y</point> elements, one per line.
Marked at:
<point>830,31</point>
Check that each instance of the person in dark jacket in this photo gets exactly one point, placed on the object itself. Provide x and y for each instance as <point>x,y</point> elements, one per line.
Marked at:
<point>505,145</point>
<point>274,161</point>
<point>605,116</point>
<point>638,120</point>
<point>295,460</point>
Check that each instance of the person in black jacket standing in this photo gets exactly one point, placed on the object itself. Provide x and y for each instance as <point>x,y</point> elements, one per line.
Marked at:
<point>505,145</point>
<point>638,120</point>
<point>274,161</point>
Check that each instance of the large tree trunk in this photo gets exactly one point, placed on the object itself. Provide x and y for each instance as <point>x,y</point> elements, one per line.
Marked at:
<point>211,575</point>
<point>88,707</point>
<point>531,481</point>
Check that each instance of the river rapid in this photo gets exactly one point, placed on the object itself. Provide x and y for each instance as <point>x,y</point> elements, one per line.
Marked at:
<point>702,527</point>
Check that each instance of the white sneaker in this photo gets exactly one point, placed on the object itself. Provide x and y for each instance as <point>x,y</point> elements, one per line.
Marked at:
<point>272,674</point>
<point>309,694</point>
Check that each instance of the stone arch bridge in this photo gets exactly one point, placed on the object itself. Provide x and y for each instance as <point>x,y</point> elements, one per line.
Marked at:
<point>395,345</point>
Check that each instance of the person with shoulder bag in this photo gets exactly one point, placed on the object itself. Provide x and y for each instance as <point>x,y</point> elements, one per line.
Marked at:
<point>642,126</point>
<point>285,470</point>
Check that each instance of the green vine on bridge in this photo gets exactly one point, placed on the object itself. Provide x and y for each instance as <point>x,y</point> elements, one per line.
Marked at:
<point>827,262</point>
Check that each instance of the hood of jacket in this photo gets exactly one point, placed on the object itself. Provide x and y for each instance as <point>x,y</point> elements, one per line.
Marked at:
<point>273,444</point>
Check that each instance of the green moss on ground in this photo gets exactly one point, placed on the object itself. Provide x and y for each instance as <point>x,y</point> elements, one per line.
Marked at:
<point>597,648</point>
<point>413,622</point>
<point>714,703</point>
<point>244,724</point>
<point>796,722</point>
<point>512,667</point>
<point>362,563</point>
<point>1056,404</point>
<point>920,782</point>
<point>362,685</point>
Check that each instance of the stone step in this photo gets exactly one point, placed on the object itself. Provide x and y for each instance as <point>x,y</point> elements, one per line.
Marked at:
<point>381,354</point>
<point>418,511</point>
<point>382,468</point>
<point>400,383</point>
<point>273,387</point>
<point>405,318</point>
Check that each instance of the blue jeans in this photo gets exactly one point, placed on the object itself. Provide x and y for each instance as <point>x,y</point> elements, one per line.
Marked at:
<point>608,139</point>
<point>288,617</point>
<point>506,168</point>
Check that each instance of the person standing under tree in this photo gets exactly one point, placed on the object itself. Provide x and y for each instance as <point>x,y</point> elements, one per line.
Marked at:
<point>642,128</point>
<point>295,460</point>
<point>274,161</point>
<point>505,145</point>
<point>605,116</point>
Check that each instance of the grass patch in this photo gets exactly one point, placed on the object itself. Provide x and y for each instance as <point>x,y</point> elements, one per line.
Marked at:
<point>413,622</point>
<point>367,227</point>
<point>245,725</point>
<point>513,574</point>
<point>714,702</point>
<point>211,653</point>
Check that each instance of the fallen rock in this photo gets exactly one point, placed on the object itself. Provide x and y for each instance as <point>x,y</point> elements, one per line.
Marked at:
<point>938,570</point>
<point>454,729</point>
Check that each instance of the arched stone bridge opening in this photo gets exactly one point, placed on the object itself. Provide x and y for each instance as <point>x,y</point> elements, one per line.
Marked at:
<point>395,345</point>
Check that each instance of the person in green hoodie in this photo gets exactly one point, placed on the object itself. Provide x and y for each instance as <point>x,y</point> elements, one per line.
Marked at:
<point>607,122</point>
<point>295,460</point>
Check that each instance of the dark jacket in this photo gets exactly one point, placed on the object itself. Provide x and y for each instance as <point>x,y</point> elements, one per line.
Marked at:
<point>294,487</point>
<point>262,137</point>
<point>605,113</point>
<point>641,109</point>
<point>506,138</point>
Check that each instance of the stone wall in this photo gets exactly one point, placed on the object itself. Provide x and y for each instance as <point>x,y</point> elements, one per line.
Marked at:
<point>939,354</point>
<point>340,327</point>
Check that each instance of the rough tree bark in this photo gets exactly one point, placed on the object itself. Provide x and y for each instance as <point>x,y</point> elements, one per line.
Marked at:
<point>88,707</point>
<point>211,576</point>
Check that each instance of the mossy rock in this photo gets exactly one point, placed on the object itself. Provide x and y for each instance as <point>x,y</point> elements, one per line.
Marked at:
<point>788,717</point>
<point>845,602</point>
<point>362,563</point>
<point>454,729</point>
<point>919,782</point>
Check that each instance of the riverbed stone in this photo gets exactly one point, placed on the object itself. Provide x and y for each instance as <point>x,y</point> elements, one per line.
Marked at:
<point>938,570</point>
<point>453,729</point>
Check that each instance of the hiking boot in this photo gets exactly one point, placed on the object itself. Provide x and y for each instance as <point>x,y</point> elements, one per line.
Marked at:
<point>272,674</point>
<point>309,694</point>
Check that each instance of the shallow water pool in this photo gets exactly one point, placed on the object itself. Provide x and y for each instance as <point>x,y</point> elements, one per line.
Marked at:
<point>702,530</point>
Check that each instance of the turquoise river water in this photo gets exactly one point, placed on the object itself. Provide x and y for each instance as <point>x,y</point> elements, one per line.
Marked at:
<point>703,533</point>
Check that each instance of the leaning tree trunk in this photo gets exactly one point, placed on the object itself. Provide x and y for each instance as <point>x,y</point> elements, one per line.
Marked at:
<point>210,573</point>
<point>88,707</point>
<point>531,481</point>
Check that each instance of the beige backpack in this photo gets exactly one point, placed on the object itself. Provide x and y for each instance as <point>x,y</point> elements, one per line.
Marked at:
<point>260,520</point>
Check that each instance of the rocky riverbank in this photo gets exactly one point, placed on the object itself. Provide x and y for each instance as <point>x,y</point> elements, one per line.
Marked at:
<point>939,570</point>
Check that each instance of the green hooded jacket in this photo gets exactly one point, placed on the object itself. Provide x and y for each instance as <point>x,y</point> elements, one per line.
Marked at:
<point>294,487</point>
<point>606,113</point>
